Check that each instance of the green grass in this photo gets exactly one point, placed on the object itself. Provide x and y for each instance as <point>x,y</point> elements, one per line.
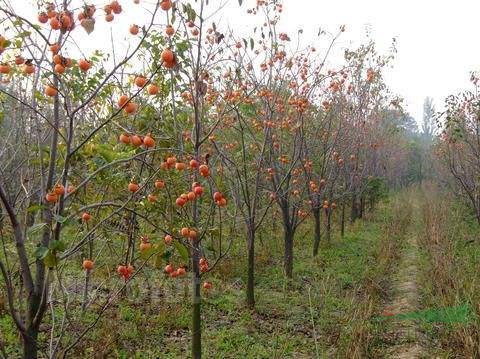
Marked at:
<point>329,296</point>
<point>449,268</point>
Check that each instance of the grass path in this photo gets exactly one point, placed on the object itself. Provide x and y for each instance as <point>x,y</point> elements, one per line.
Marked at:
<point>403,337</point>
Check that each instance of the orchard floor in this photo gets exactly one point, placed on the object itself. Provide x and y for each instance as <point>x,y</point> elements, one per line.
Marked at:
<point>411,254</point>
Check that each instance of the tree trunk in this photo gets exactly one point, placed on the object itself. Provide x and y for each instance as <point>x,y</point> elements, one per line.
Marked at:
<point>85,290</point>
<point>318,233</point>
<point>354,211</point>
<point>30,348</point>
<point>196,319</point>
<point>329,224</point>
<point>362,206</point>
<point>288,256</point>
<point>87,276</point>
<point>342,223</point>
<point>372,203</point>
<point>251,268</point>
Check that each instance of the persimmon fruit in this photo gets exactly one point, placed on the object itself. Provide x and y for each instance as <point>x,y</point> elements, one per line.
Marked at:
<point>168,56</point>
<point>152,89</point>
<point>86,217</point>
<point>159,184</point>
<point>130,108</point>
<point>168,239</point>
<point>50,91</point>
<point>152,198</point>
<point>87,264</point>
<point>59,69</point>
<point>124,138</point>
<point>133,187</point>
<point>180,202</point>
<point>169,30</point>
<point>51,197</point>
<point>55,24</point>
<point>136,140</point>
<point>59,190</point>
<point>145,246</point>
<point>169,268</point>
<point>134,29</point>
<point>122,101</point>
<point>19,60</point>
<point>140,81</point>
<point>148,141</point>
<point>207,285</point>
<point>84,65</point>
<point>166,5</point>
<point>42,18</point>
<point>4,69</point>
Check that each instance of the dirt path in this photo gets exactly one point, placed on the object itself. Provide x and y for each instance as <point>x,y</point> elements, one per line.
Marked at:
<point>403,338</point>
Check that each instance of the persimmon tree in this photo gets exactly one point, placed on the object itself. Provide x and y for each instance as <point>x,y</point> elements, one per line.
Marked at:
<point>244,144</point>
<point>287,83</point>
<point>111,146</point>
<point>337,149</point>
<point>59,101</point>
<point>323,165</point>
<point>366,99</point>
<point>241,146</point>
<point>458,149</point>
<point>55,109</point>
<point>131,162</point>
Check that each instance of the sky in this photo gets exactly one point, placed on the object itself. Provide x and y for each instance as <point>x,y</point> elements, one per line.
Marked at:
<point>437,40</point>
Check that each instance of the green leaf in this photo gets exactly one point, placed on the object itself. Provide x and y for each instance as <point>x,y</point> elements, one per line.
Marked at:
<point>24,34</point>
<point>59,219</point>
<point>182,250</point>
<point>35,228</point>
<point>183,46</point>
<point>50,260</point>
<point>41,252</point>
<point>191,15</point>
<point>146,254</point>
<point>107,154</point>
<point>248,110</point>
<point>35,208</point>
<point>158,260</point>
<point>167,254</point>
<point>160,246</point>
<point>215,231</point>
<point>57,246</point>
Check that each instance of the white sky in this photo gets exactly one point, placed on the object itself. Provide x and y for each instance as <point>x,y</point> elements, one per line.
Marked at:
<point>437,40</point>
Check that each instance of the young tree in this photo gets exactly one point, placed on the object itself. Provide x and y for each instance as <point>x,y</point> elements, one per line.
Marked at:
<point>95,144</point>
<point>459,146</point>
<point>428,117</point>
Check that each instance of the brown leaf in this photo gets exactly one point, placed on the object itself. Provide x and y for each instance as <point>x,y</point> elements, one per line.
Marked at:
<point>201,88</point>
<point>88,25</point>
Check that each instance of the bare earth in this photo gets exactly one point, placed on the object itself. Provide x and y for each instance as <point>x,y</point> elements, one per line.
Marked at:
<point>405,337</point>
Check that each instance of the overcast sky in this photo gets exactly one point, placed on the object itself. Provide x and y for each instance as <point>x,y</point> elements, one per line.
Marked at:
<point>437,40</point>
